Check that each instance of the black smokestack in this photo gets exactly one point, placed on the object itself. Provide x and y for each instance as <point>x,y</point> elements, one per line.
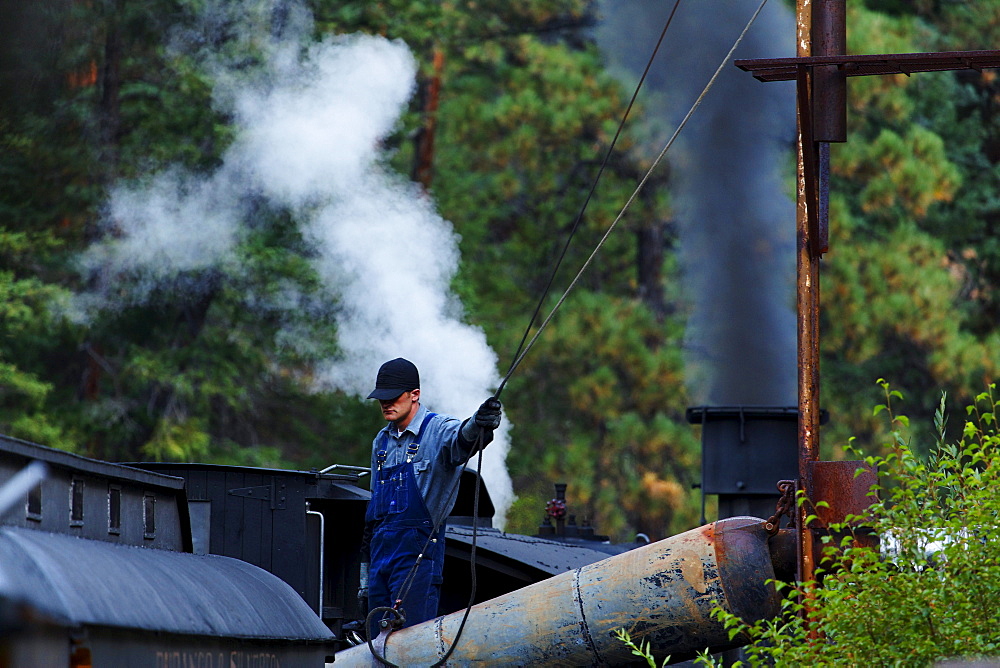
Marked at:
<point>732,168</point>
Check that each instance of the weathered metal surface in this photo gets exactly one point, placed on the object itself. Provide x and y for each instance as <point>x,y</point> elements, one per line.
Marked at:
<point>829,93</point>
<point>14,449</point>
<point>817,238</point>
<point>841,486</point>
<point>844,492</point>
<point>92,583</point>
<point>662,593</point>
<point>75,498</point>
<point>130,649</point>
<point>746,449</point>
<point>808,249</point>
<point>784,547</point>
<point>536,557</point>
<point>784,69</point>
<point>743,553</point>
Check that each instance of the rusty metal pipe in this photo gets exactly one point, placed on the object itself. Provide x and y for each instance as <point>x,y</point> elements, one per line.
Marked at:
<point>662,593</point>
<point>807,289</point>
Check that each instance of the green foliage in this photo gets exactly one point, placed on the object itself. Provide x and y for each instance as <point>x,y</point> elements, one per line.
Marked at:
<point>642,650</point>
<point>623,443</point>
<point>908,284</point>
<point>932,591</point>
<point>94,94</point>
<point>903,174</point>
<point>28,335</point>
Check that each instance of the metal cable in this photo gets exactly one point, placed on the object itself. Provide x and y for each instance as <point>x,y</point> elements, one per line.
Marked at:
<point>524,349</point>
<point>635,193</point>
<point>408,581</point>
<point>590,195</point>
<point>472,573</point>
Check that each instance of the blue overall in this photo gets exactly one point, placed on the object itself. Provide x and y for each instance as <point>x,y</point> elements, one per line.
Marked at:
<point>402,529</point>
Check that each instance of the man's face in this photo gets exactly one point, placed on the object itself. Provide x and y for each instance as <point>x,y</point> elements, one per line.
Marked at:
<point>401,409</point>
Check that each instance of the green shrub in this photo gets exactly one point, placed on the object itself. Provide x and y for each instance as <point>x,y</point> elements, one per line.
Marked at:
<point>641,650</point>
<point>932,590</point>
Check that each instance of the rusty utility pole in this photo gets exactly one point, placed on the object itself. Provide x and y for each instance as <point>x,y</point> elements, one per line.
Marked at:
<point>820,69</point>
<point>810,245</point>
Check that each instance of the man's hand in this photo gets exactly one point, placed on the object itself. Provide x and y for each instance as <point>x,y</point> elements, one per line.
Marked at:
<point>488,415</point>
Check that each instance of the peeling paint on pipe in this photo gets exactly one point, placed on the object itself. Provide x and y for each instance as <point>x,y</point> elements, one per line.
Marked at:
<point>662,592</point>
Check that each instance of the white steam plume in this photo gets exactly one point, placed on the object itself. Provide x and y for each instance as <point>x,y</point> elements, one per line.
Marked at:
<point>308,141</point>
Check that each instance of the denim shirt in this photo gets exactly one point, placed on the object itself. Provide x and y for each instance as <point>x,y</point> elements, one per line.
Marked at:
<point>437,464</point>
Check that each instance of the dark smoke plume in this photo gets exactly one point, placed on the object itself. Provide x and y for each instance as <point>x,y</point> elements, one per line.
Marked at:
<point>729,188</point>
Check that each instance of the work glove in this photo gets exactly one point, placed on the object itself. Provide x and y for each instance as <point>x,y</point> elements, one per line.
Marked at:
<point>488,415</point>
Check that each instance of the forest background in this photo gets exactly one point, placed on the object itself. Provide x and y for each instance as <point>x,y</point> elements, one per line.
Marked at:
<point>501,133</point>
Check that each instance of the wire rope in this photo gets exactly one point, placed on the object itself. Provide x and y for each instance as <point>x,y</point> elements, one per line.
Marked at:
<point>590,194</point>
<point>523,348</point>
<point>408,580</point>
<point>631,198</point>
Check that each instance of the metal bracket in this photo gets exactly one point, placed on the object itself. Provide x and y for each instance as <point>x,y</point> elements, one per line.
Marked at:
<point>275,498</point>
<point>784,506</point>
<point>379,644</point>
<point>819,242</point>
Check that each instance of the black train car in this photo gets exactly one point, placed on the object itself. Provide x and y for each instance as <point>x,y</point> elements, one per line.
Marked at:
<point>162,564</point>
<point>303,526</point>
<point>96,569</point>
<point>306,528</point>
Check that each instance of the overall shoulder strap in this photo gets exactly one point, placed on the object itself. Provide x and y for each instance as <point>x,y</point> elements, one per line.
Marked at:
<point>420,432</point>
<point>411,449</point>
<point>380,454</point>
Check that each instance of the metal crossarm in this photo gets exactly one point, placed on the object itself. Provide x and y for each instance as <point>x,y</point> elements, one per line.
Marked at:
<point>785,69</point>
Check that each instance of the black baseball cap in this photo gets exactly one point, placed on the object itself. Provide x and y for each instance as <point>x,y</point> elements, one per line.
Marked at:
<point>395,377</point>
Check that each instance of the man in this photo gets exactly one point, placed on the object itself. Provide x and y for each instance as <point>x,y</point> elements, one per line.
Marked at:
<point>416,462</point>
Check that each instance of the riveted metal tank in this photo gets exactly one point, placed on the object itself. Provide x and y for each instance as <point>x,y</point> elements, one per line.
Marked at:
<point>662,593</point>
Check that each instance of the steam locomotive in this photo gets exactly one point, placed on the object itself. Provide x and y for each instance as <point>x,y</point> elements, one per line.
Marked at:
<point>165,565</point>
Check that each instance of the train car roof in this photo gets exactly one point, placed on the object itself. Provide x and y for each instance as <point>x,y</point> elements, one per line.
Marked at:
<point>548,556</point>
<point>348,477</point>
<point>342,486</point>
<point>81,582</point>
<point>69,460</point>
